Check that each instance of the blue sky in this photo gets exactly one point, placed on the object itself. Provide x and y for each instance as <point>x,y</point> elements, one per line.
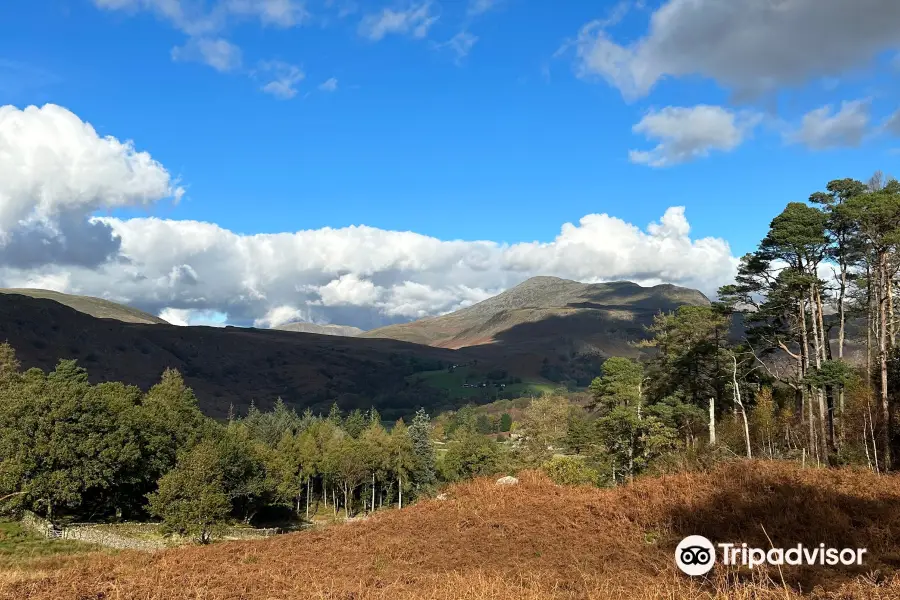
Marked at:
<point>493,120</point>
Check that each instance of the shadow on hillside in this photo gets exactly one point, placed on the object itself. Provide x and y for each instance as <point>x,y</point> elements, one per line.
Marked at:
<point>758,510</point>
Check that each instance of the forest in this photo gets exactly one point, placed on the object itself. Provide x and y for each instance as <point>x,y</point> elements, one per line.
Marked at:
<point>796,360</point>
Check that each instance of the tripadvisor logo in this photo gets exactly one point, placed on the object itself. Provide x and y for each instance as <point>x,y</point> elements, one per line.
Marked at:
<point>696,555</point>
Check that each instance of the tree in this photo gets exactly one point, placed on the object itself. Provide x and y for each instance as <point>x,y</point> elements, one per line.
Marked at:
<point>64,442</point>
<point>579,431</point>
<point>620,384</point>
<point>348,464</point>
<point>245,478</point>
<point>423,475</point>
<point>375,444</point>
<point>633,441</point>
<point>505,422</point>
<point>544,425</point>
<point>171,422</point>
<point>355,423</point>
<point>403,459</point>
<point>192,499</point>
<point>690,361</point>
<point>876,216</point>
<point>470,455</point>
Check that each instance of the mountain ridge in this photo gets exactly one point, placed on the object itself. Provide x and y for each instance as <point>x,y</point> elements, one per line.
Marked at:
<point>330,329</point>
<point>99,308</point>
<point>538,299</point>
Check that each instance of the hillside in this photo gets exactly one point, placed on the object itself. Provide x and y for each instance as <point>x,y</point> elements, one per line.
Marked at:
<point>551,328</point>
<point>533,541</point>
<point>341,330</point>
<point>227,365</point>
<point>589,311</point>
<point>95,307</point>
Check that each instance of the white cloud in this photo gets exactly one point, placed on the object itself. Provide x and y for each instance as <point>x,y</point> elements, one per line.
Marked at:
<point>368,277</point>
<point>185,317</point>
<point>689,133</point>
<point>349,290</point>
<point>479,7</point>
<point>415,20</point>
<point>329,85</point>
<point>750,46</point>
<point>460,44</point>
<point>283,13</point>
<point>54,172</point>
<point>280,315</point>
<point>283,79</point>
<point>202,18</point>
<point>195,272</point>
<point>823,128</point>
<point>218,53</point>
<point>892,124</point>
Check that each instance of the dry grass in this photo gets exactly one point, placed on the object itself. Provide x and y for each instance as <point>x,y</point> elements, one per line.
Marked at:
<point>530,541</point>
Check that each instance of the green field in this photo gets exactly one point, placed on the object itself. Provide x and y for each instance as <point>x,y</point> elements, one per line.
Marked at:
<point>454,381</point>
<point>18,545</point>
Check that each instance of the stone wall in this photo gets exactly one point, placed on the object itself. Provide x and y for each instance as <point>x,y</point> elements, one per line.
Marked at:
<point>96,534</point>
<point>100,535</point>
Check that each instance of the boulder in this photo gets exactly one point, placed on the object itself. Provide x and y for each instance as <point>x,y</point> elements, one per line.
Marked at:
<point>507,481</point>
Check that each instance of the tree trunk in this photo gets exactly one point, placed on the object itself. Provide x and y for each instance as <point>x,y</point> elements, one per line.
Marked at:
<point>737,401</point>
<point>804,352</point>
<point>870,322</point>
<point>892,338</point>
<point>712,421</point>
<point>842,317</point>
<point>373,491</point>
<point>400,490</point>
<point>308,493</point>
<point>882,350</point>
<point>819,396</point>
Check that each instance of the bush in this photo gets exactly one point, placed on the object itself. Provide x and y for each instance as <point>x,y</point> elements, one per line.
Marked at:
<point>570,470</point>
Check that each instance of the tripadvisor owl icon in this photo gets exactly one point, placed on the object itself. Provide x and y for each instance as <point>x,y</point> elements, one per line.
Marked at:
<point>695,555</point>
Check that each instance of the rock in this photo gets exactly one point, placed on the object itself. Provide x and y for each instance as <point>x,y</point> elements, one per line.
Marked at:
<point>507,481</point>
<point>442,496</point>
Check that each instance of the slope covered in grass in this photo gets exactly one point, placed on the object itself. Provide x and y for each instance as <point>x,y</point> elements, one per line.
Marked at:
<point>534,540</point>
<point>95,307</point>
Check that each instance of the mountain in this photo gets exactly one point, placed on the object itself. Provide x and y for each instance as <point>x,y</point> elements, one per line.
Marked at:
<point>227,365</point>
<point>95,307</point>
<point>552,328</point>
<point>588,311</point>
<point>341,330</point>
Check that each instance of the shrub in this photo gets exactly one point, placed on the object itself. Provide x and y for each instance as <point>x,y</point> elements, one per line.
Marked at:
<point>570,470</point>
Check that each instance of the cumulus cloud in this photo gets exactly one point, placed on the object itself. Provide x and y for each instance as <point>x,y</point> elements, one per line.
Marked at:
<point>282,79</point>
<point>367,277</point>
<point>823,128</point>
<point>56,171</point>
<point>689,133</point>
<point>749,46</point>
<point>415,20</point>
<point>220,54</point>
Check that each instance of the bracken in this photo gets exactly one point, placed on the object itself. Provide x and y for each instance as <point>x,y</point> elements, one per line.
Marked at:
<point>533,540</point>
